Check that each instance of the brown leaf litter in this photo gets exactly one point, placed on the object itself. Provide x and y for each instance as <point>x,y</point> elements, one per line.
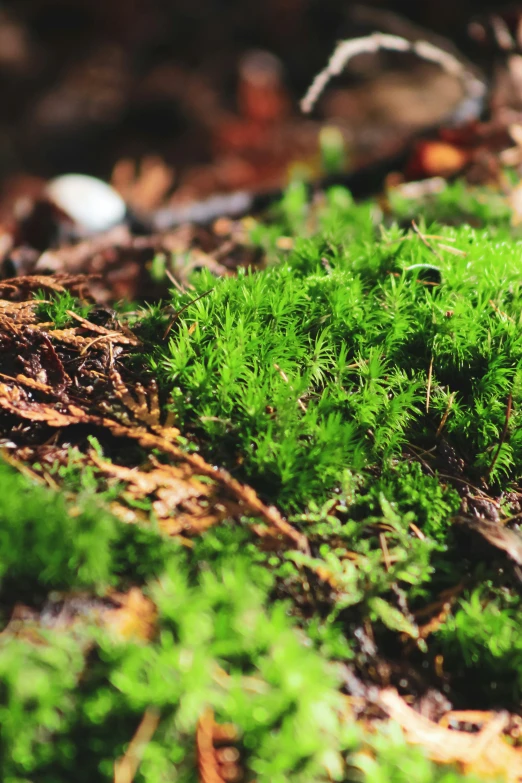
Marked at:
<point>484,753</point>
<point>129,616</point>
<point>56,384</point>
<point>132,261</point>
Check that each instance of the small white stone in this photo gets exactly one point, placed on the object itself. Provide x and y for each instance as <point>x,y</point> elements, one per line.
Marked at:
<point>91,203</point>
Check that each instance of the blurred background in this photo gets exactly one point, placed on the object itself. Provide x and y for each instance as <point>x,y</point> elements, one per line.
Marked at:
<point>198,96</point>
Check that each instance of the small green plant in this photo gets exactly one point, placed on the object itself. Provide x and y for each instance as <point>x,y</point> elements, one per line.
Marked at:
<point>72,697</point>
<point>48,544</point>
<point>482,638</point>
<point>55,307</point>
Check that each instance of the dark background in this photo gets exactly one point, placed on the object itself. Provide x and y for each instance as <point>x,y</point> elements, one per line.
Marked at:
<point>86,83</point>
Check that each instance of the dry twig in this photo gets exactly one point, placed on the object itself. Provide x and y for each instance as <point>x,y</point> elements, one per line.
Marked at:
<point>346,50</point>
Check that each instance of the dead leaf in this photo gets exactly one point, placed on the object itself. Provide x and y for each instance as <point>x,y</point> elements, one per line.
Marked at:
<point>145,406</point>
<point>181,502</point>
<point>18,312</point>
<point>129,615</point>
<point>497,535</point>
<point>133,615</point>
<point>485,754</point>
<point>18,289</point>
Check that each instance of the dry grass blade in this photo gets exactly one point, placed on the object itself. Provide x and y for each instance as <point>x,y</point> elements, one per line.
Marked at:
<point>182,310</point>
<point>127,339</point>
<point>428,388</point>
<point>207,762</point>
<point>437,611</point>
<point>503,435</point>
<point>446,414</point>
<point>126,767</point>
<point>424,240</point>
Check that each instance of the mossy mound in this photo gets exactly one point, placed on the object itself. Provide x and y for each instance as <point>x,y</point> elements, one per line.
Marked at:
<point>367,383</point>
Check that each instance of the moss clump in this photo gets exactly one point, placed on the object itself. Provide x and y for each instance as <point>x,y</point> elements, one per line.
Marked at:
<point>77,693</point>
<point>72,697</point>
<point>56,308</point>
<point>323,361</point>
<point>482,641</point>
<point>46,545</point>
<point>359,384</point>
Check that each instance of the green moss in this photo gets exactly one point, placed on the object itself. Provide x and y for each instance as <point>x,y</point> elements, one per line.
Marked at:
<point>482,642</point>
<point>56,307</point>
<point>48,544</point>
<point>354,382</point>
<point>309,368</point>
<point>36,703</point>
<point>60,706</point>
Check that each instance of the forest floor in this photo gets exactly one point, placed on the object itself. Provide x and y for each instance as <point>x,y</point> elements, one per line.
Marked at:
<point>267,528</point>
<point>260,476</point>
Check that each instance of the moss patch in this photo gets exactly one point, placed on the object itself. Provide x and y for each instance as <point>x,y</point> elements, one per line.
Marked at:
<point>368,384</point>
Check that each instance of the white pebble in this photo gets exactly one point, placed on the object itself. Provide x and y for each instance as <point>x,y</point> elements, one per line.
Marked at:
<point>91,203</point>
